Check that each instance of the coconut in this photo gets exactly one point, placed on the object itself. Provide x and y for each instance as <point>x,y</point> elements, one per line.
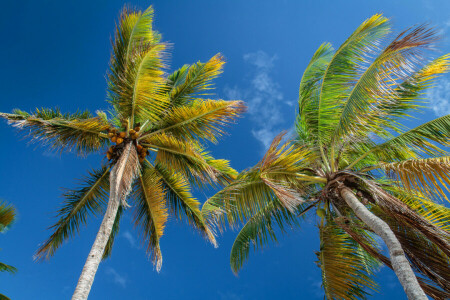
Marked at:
<point>134,136</point>
<point>111,149</point>
<point>321,212</point>
<point>132,131</point>
<point>119,140</point>
<point>114,139</point>
<point>137,128</point>
<point>110,135</point>
<point>139,148</point>
<point>108,155</point>
<point>122,134</point>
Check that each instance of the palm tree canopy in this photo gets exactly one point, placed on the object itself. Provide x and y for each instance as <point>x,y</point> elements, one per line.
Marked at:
<point>349,132</point>
<point>166,117</point>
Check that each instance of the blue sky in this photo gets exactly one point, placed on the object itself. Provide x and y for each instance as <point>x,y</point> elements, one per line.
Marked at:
<point>55,53</point>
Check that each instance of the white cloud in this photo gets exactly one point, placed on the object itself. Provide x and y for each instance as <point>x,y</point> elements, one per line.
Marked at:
<point>119,279</point>
<point>439,97</point>
<point>129,237</point>
<point>263,97</point>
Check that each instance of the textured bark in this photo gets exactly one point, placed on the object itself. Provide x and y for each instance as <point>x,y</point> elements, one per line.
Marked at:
<point>95,256</point>
<point>120,178</point>
<point>400,264</point>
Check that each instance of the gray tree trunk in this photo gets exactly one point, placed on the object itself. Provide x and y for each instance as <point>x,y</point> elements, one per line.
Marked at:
<point>400,264</point>
<point>95,256</point>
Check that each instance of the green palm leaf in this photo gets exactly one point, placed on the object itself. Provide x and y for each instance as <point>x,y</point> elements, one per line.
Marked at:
<point>79,205</point>
<point>344,68</point>
<point>259,230</point>
<point>346,270</point>
<point>80,131</point>
<point>197,81</point>
<point>7,215</point>
<point>201,119</point>
<point>150,212</point>
<point>181,201</point>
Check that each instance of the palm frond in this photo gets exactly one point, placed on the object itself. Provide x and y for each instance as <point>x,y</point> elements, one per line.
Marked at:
<point>279,176</point>
<point>7,268</point>
<point>306,124</point>
<point>424,255</point>
<point>344,69</point>
<point>430,176</point>
<point>201,119</point>
<point>197,81</point>
<point>428,286</point>
<point>114,232</point>
<point>396,209</point>
<point>259,230</point>
<point>136,69</point>
<point>79,204</point>
<point>377,85</point>
<point>7,215</point>
<point>411,91</point>
<point>346,271</point>
<point>187,157</point>
<point>150,211</point>
<point>436,214</point>
<point>181,201</point>
<point>80,131</point>
<point>419,141</point>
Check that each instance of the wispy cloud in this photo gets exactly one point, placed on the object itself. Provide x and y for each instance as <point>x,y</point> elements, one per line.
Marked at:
<point>119,279</point>
<point>263,97</point>
<point>439,97</point>
<point>130,238</point>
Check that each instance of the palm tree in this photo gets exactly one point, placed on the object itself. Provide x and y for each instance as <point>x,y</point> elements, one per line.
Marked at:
<point>158,125</point>
<point>7,217</point>
<point>348,134</point>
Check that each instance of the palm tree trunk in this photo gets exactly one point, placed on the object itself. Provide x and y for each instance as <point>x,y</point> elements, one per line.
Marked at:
<point>95,256</point>
<point>401,266</point>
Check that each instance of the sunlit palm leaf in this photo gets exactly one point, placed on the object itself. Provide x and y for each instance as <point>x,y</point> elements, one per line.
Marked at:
<point>437,214</point>
<point>136,69</point>
<point>346,272</point>
<point>412,90</point>
<point>79,131</point>
<point>201,119</point>
<point>181,201</point>
<point>377,84</point>
<point>419,141</point>
<point>79,205</point>
<point>344,69</point>
<point>184,156</point>
<point>430,176</point>
<point>307,126</point>
<point>197,81</point>
<point>150,212</point>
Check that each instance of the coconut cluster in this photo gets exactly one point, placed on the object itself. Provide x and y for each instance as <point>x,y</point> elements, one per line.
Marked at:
<point>120,139</point>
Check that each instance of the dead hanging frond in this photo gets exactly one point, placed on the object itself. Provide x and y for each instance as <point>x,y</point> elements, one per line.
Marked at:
<point>125,171</point>
<point>424,256</point>
<point>430,176</point>
<point>395,208</point>
<point>427,285</point>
